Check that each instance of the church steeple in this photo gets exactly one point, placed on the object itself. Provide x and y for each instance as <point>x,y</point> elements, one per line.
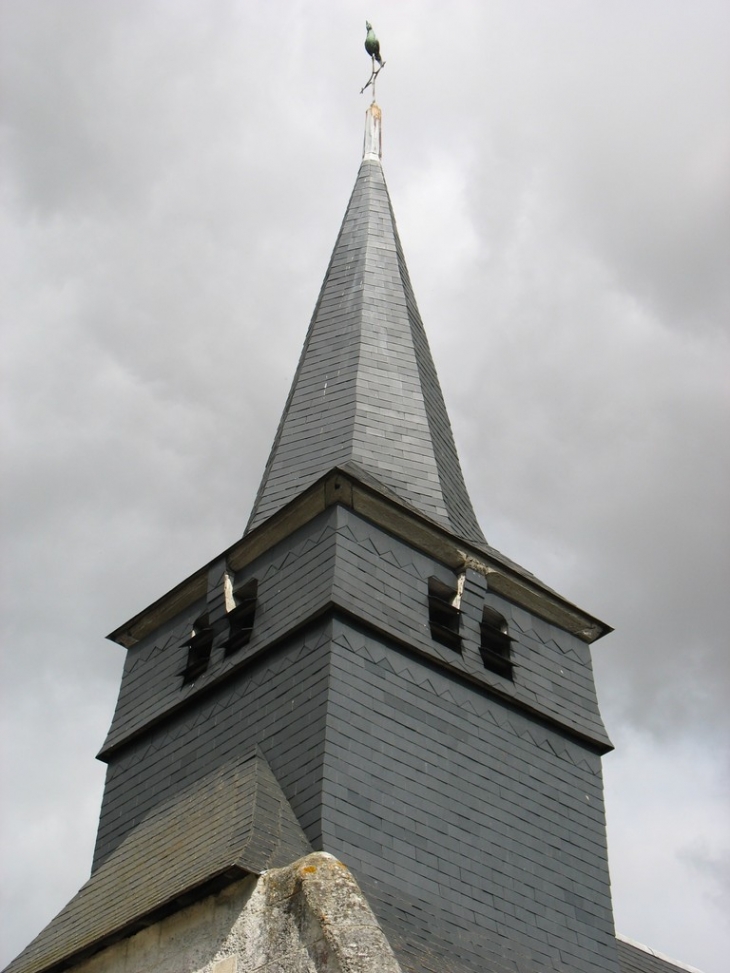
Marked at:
<point>360,675</point>
<point>366,395</point>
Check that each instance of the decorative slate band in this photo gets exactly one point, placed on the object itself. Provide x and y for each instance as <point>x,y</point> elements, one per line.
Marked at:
<point>362,493</point>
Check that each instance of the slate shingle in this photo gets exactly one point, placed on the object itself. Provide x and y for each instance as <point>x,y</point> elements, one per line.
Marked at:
<point>479,848</point>
<point>469,805</point>
<point>634,958</point>
<point>366,389</point>
<point>232,821</point>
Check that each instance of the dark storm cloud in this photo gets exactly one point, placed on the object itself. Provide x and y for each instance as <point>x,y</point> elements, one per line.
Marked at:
<point>177,173</point>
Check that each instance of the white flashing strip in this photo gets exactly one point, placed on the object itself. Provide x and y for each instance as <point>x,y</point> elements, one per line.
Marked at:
<point>653,952</point>
<point>230,601</point>
<point>372,146</point>
<point>459,591</point>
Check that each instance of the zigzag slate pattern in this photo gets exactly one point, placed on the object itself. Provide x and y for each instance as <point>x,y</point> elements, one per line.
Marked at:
<point>366,389</point>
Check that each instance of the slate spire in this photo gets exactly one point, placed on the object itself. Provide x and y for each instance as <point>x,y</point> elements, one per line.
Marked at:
<point>365,395</point>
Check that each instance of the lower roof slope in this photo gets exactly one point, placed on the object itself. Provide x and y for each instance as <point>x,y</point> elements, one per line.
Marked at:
<point>233,822</point>
<point>635,958</point>
<point>366,389</point>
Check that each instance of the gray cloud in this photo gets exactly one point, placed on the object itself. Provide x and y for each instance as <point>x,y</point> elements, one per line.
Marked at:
<point>177,177</point>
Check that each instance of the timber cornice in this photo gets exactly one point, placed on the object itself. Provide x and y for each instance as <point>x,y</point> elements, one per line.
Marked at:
<point>361,493</point>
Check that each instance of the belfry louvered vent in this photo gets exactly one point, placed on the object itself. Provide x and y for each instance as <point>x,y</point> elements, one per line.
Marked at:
<point>496,644</point>
<point>199,645</point>
<point>241,618</point>
<point>444,617</point>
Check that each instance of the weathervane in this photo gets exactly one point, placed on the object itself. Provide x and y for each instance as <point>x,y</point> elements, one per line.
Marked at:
<point>372,46</point>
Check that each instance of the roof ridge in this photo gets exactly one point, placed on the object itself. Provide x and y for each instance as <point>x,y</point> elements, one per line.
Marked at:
<point>655,952</point>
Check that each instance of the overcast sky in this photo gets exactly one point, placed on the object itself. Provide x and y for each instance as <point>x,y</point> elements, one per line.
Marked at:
<point>174,178</point>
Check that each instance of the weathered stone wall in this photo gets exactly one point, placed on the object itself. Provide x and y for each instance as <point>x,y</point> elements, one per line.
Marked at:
<point>308,918</point>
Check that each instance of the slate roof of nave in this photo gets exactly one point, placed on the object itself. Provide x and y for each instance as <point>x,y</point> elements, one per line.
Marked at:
<point>636,958</point>
<point>232,822</point>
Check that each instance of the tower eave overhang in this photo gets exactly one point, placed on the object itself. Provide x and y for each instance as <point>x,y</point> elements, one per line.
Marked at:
<point>361,492</point>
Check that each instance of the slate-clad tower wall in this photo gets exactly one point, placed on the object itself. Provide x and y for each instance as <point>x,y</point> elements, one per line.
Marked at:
<point>272,693</point>
<point>472,829</point>
<point>397,692</point>
<point>469,805</point>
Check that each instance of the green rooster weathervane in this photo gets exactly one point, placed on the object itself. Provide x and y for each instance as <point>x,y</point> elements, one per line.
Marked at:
<point>372,46</point>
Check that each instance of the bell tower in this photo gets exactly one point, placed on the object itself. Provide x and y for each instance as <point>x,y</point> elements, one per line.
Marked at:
<point>361,674</point>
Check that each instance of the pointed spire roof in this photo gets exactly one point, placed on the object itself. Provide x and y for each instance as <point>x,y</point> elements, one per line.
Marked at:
<point>365,394</point>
